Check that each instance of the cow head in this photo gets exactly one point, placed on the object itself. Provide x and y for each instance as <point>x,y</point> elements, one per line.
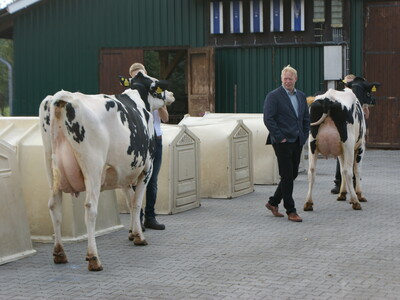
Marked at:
<point>152,91</point>
<point>363,89</point>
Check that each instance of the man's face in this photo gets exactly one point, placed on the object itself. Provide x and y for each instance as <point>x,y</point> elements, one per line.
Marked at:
<point>288,81</point>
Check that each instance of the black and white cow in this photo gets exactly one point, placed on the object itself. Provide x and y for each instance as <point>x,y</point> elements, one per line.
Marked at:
<point>100,142</point>
<point>338,129</point>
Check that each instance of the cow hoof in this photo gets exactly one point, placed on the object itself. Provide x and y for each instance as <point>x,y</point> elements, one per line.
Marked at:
<point>59,255</point>
<point>94,267</point>
<point>94,264</point>
<point>341,197</point>
<point>361,198</point>
<point>308,207</point>
<point>60,258</point>
<point>138,241</point>
<point>356,206</point>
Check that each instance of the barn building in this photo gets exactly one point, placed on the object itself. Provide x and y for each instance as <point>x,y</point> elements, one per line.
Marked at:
<point>220,56</point>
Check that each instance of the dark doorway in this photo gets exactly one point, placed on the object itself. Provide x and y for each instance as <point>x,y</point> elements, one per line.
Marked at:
<point>170,65</point>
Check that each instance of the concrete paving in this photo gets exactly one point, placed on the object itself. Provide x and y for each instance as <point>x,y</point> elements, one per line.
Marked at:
<point>236,249</point>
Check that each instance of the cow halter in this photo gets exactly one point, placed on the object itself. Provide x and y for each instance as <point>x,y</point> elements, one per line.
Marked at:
<point>160,94</point>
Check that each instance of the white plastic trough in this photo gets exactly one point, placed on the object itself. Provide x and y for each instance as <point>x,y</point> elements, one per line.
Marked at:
<point>23,133</point>
<point>15,239</point>
<point>226,163</point>
<point>264,160</point>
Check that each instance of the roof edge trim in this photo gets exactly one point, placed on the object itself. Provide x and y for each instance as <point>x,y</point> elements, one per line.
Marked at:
<point>21,4</point>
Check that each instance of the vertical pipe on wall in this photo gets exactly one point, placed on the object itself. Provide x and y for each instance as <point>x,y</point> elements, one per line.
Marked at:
<point>235,98</point>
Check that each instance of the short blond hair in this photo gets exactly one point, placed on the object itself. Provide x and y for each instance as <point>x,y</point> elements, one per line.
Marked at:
<point>349,78</point>
<point>289,69</point>
<point>135,68</point>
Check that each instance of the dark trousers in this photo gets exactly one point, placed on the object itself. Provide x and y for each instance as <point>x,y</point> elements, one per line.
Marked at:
<point>151,192</point>
<point>338,176</point>
<point>288,155</point>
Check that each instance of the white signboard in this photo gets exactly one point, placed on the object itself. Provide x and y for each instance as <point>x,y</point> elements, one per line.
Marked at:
<point>333,62</point>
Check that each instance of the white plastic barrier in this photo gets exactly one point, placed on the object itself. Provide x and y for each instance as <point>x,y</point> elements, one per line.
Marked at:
<point>24,134</point>
<point>15,239</point>
<point>226,163</point>
<point>264,160</point>
<point>179,177</point>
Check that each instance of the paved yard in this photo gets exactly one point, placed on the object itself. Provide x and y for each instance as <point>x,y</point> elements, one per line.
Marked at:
<point>235,249</point>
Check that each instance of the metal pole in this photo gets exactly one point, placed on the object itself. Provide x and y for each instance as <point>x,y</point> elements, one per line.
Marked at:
<point>235,98</point>
<point>10,85</point>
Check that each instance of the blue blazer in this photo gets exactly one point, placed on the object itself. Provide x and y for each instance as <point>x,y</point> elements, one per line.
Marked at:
<point>281,120</point>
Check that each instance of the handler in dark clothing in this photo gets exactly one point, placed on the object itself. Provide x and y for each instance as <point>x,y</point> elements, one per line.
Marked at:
<point>338,175</point>
<point>287,119</point>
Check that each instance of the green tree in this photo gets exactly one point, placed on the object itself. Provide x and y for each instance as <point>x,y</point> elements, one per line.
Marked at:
<point>6,53</point>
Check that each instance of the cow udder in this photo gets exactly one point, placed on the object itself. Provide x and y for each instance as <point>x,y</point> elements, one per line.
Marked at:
<point>328,139</point>
<point>70,175</point>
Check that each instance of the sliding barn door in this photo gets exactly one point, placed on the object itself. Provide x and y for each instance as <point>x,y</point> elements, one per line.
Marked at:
<point>115,62</point>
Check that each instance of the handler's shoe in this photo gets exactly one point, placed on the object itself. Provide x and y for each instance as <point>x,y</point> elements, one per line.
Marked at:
<point>294,217</point>
<point>153,224</point>
<point>335,190</point>
<point>273,209</point>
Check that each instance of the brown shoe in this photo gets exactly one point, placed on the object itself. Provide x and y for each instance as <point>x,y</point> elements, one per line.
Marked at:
<point>274,210</point>
<point>294,217</point>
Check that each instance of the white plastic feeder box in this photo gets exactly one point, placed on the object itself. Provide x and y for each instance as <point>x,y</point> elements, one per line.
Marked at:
<point>265,163</point>
<point>226,162</point>
<point>24,134</point>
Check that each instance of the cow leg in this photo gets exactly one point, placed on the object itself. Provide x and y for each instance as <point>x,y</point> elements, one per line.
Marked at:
<point>357,174</point>
<point>55,209</point>
<point>308,205</point>
<point>129,195</point>
<point>91,205</point>
<point>136,233</point>
<point>347,177</point>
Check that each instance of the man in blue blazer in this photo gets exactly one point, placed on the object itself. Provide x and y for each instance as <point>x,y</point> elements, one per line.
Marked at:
<point>287,119</point>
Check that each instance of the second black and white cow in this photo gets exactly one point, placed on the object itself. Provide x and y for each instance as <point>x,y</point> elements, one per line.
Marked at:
<point>338,129</point>
<point>100,142</point>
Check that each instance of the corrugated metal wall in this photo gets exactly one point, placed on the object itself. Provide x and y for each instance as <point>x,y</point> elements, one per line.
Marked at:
<point>57,44</point>
<point>251,73</point>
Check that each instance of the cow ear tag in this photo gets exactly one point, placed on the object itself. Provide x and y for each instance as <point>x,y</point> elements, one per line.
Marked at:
<point>159,90</point>
<point>124,81</point>
<point>373,88</point>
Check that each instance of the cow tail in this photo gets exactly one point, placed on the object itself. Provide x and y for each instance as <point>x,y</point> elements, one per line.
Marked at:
<point>322,119</point>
